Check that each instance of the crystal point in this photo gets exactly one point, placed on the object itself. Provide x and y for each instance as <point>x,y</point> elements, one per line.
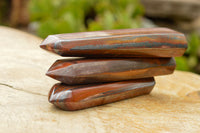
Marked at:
<point>149,42</point>
<point>49,42</point>
<point>85,96</point>
<point>85,71</point>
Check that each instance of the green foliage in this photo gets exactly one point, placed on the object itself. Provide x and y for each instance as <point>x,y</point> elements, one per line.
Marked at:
<point>190,60</point>
<point>66,16</point>
<point>181,63</point>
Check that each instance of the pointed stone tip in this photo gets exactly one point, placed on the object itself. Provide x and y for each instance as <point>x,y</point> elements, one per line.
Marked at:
<point>43,46</point>
<point>50,99</point>
<point>50,74</point>
<point>48,42</point>
<point>53,74</point>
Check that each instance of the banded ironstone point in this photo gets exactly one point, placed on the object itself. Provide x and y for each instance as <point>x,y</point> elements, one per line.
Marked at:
<point>144,42</point>
<point>85,71</point>
<point>85,96</point>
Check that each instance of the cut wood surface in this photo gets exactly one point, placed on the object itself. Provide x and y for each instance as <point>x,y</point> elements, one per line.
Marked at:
<point>172,106</point>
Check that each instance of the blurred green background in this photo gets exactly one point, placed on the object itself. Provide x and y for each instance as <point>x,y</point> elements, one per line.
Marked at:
<point>44,17</point>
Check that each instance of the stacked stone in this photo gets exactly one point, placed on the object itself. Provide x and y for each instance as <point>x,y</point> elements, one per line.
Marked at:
<point>115,64</point>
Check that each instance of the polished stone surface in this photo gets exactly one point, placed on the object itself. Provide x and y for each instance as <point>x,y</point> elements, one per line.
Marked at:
<point>85,96</point>
<point>149,42</point>
<point>85,71</point>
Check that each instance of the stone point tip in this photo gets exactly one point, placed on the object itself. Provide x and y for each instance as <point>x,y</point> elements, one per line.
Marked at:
<point>48,41</point>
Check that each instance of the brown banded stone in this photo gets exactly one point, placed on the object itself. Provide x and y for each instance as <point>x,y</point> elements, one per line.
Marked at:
<point>144,42</point>
<point>85,96</point>
<point>85,71</point>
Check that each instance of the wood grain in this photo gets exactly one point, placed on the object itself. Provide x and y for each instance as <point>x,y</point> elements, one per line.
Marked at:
<point>172,106</point>
<point>149,42</point>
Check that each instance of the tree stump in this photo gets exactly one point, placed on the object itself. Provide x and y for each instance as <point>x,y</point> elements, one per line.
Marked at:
<point>172,106</point>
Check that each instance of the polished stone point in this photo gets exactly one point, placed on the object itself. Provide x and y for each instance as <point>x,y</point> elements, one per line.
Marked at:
<point>144,42</point>
<point>84,96</point>
<point>86,71</point>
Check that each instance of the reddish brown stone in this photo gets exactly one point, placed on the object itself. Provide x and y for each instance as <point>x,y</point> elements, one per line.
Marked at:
<point>149,42</point>
<point>84,71</point>
<point>85,96</point>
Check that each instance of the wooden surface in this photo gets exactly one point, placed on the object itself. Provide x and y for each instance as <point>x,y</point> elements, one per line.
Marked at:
<point>173,105</point>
